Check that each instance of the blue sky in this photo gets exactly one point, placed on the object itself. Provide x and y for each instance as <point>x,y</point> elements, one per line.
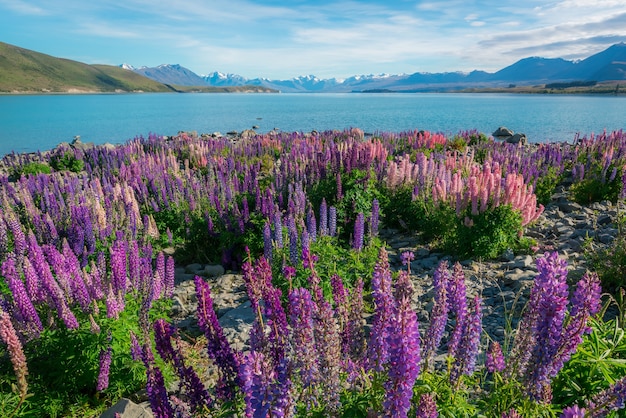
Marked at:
<point>284,39</point>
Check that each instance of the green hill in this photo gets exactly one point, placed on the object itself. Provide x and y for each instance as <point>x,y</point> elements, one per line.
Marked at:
<point>25,71</point>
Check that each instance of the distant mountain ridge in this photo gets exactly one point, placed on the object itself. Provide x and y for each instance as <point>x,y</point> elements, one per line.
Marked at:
<point>607,65</point>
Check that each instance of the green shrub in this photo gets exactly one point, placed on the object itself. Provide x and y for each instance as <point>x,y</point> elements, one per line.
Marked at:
<point>67,162</point>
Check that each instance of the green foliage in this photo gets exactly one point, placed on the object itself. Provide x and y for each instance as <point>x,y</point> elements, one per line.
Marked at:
<point>30,168</point>
<point>609,262</point>
<point>67,162</point>
<point>546,184</point>
<point>595,186</point>
<point>599,362</point>
<point>490,233</point>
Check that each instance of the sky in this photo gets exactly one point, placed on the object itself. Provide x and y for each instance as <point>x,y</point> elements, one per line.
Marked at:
<point>283,39</point>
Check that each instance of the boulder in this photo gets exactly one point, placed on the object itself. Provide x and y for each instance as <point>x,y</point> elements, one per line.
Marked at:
<point>127,409</point>
<point>502,132</point>
<point>517,139</point>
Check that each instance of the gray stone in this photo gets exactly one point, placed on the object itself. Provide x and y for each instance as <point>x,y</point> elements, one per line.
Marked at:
<point>606,238</point>
<point>213,270</point>
<point>127,409</point>
<point>193,268</point>
<point>502,132</point>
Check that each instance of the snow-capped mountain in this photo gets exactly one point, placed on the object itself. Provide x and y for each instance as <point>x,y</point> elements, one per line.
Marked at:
<point>609,64</point>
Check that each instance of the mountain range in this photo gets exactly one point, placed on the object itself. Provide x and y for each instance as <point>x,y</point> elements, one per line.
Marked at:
<point>608,65</point>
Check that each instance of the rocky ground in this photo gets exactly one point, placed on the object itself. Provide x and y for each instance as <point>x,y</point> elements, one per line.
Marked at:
<point>504,284</point>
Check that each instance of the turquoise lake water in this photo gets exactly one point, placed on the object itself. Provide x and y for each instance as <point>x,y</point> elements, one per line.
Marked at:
<point>30,122</point>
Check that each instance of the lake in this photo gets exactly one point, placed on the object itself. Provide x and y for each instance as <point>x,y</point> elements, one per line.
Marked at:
<point>39,122</point>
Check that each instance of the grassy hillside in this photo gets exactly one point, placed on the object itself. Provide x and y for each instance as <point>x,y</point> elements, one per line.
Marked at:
<point>22,70</point>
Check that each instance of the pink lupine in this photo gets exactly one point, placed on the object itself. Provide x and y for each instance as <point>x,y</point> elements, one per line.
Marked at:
<point>16,352</point>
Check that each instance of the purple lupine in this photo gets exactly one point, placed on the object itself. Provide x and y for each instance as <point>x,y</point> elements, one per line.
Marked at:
<point>29,317</point>
<point>438,314</point>
<point>427,407</point>
<point>256,384</point>
<point>512,413</point>
<point>359,232</point>
<point>118,266</point>
<point>105,366</point>
<point>134,271</point>
<point>332,221</point>
<point>157,394</point>
<point>277,323</point>
<point>198,395</point>
<point>405,258</point>
<point>323,227</point>
<point>611,399</point>
<point>218,347</point>
<point>403,342</point>
<point>31,281</point>
<point>381,292</point>
<point>494,361</point>
<point>160,268</point>
<point>573,411</point>
<point>465,359</point>
<point>353,329</point>
<point>267,241</point>
<point>303,341</point>
<point>457,304</point>
<point>375,219</point>
<point>551,299</point>
<point>4,237</point>
<point>135,348</point>
<point>278,229</point>
<point>293,240</point>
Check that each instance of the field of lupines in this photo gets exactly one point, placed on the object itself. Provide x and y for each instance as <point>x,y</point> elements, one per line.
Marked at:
<point>86,283</point>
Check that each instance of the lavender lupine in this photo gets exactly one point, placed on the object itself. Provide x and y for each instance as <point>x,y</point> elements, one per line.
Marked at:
<point>169,281</point>
<point>293,240</point>
<point>16,352</point>
<point>573,411</point>
<point>465,358</point>
<point>427,407</point>
<point>105,366</point>
<point>263,388</point>
<point>218,347</point>
<point>495,359</point>
<point>381,292</point>
<point>278,229</point>
<point>311,225</point>
<point>403,341</point>
<point>323,227</point>
<point>157,394</point>
<point>267,241</point>
<point>332,221</point>
<point>438,314</point>
<point>118,266</point>
<point>375,218</point>
<point>359,232</point>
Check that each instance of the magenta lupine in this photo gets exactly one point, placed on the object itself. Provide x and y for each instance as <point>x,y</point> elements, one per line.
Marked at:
<point>118,266</point>
<point>381,293</point>
<point>403,342</point>
<point>494,361</point>
<point>16,352</point>
<point>31,322</point>
<point>611,399</point>
<point>157,394</point>
<point>465,358</point>
<point>359,232</point>
<point>457,304</point>
<point>105,366</point>
<point>427,407</point>
<point>218,347</point>
<point>438,314</point>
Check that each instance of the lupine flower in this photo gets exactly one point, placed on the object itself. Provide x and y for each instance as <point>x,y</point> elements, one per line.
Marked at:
<point>611,399</point>
<point>573,411</point>
<point>218,347</point>
<point>332,221</point>
<point>311,225</point>
<point>16,352</point>
<point>323,218</point>
<point>105,365</point>
<point>267,241</point>
<point>511,414</point>
<point>439,313</point>
<point>465,359</point>
<point>20,298</point>
<point>157,394</point>
<point>278,230</point>
<point>406,257</point>
<point>457,304</point>
<point>170,271</point>
<point>374,220</point>
<point>293,240</point>
<point>135,348</point>
<point>359,232</point>
<point>495,359</point>
<point>403,341</point>
<point>427,407</point>
<point>381,291</point>
<point>302,338</point>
